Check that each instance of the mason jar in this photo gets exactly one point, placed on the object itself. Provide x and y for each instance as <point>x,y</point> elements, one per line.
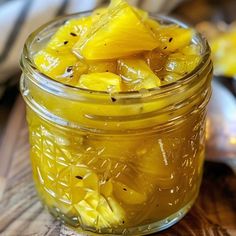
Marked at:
<point>116,163</point>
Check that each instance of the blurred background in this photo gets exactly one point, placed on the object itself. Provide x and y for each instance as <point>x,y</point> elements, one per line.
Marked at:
<point>216,19</point>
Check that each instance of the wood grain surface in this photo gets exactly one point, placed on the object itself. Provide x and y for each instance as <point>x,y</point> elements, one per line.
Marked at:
<point>21,213</point>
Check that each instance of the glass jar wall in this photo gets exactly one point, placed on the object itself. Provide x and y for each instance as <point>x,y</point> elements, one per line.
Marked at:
<point>122,163</point>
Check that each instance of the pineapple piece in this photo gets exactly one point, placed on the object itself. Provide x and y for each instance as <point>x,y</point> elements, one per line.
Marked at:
<point>106,188</point>
<point>181,64</point>
<point>141,13</point>
<point>191,49</point>
<point>83,177</point>
<point>154,162</point>
<point>86,195</point>
<point>100,82</point>
<point>56,66</point>
<point>128,195</point>
<point>102,66</point>
<point>118,33</point>
<point>173,37</point>
<point>136,74</point>
<point>98,13</point>
<point>153,25</point>
<point>67,35</point>
<point>89,216</point>
<point>156,60</point>
<point>99,212</point>
<point>170,77</point>
<point>110,147</point>
<point>110,209</point>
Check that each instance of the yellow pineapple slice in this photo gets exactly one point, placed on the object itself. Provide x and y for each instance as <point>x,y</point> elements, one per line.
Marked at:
<point>153,25</point>
<point>55,65</point>
<point>136,74</point>
<point>119,33</point>
<point>105,81</point>
<point>100,11</point>
<point>173,37</point>
<point>96,14</point>
<point>67,35</point>
<point>128,195</point>
<point>106,188</point>
<point>141,13</point>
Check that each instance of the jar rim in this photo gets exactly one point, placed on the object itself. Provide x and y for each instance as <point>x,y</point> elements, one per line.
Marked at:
<point>53,86</point>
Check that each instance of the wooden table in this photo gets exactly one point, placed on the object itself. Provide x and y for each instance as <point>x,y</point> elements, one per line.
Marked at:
<point>214,212</point>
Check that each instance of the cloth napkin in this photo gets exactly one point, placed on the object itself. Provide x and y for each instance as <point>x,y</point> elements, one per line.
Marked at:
<point>18,18</point>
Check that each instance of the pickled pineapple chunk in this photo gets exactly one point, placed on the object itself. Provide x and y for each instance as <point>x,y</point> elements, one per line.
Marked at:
<point>155,163</point>
<point>141,13</point>
<point>101,82</point>
<point>128,195</point>
<point>113,36</point>
<point>136,74</point>
<point>102,66</point>
<point>99,212</point>
<point>92,207</point>
<point>67,35</point>
<point>55,65</point>
<point>179,63</point>
<point>153,25</point>
<point>173,37</point>
<point>98,13</point>
<point>156,60</point>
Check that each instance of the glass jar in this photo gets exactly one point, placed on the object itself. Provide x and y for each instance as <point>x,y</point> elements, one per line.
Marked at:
<point>123,163</point>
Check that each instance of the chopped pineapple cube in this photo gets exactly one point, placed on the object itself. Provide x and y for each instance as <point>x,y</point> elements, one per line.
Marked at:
<point>101,82</point>
<point>136,74</point>
<point>113,36</point>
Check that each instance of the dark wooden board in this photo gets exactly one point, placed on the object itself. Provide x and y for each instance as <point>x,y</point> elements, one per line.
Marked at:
<point>21,213</point>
